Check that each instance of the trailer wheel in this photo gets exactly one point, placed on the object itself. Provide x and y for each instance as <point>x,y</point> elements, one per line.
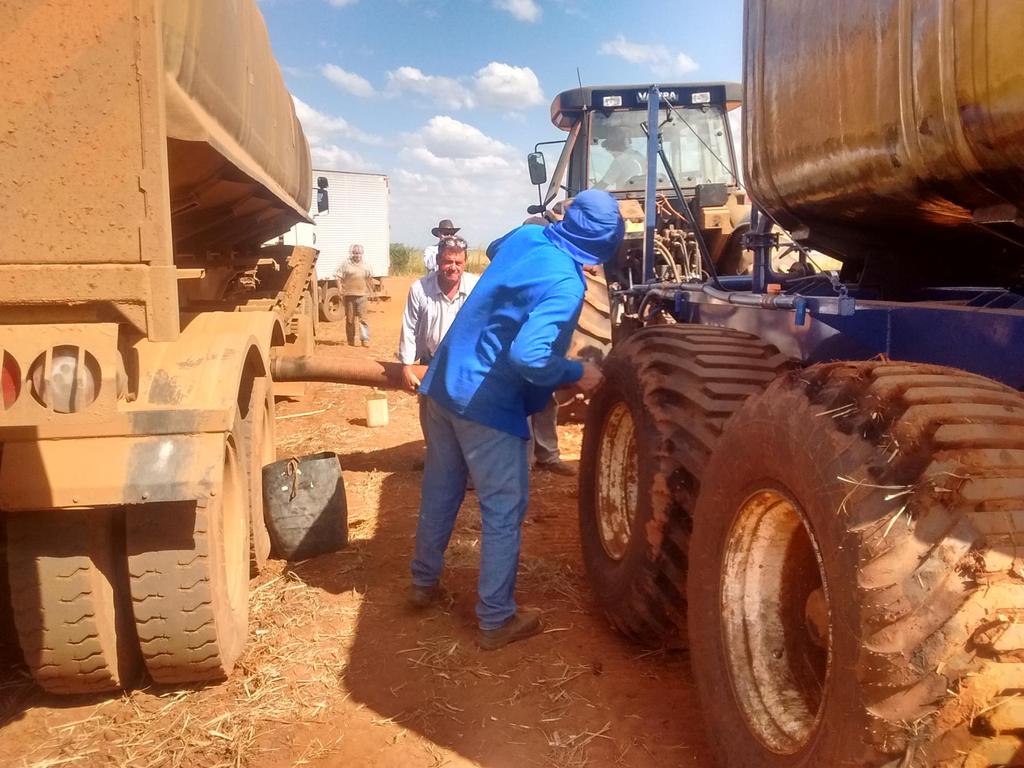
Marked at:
<point>189,567</point>
<point>69,592</point>
<point>650,429</point>
<point>331,308</point>
<point>855,593</point>
<point>257,429</point>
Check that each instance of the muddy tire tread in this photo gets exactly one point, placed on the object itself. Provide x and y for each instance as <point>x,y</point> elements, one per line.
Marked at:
<point>172,599</point>
<point>66,623</point>
<point>942,589</point>
<point>691,379</point>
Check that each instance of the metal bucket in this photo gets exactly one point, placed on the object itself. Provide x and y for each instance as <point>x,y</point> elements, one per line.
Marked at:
<point>304,506</point>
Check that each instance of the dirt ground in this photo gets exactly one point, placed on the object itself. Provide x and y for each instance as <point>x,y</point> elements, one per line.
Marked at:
<point>338,673</point>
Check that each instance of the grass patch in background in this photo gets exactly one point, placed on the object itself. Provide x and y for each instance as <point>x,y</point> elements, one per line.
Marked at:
<point>408,260</point>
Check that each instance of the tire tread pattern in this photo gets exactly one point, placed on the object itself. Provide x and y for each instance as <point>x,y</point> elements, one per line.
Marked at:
<point>65,573</point>
<point>942,569</point>
<point>691,379</point>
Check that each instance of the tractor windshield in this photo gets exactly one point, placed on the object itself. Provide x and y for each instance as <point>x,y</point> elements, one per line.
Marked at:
<point>694,140</point>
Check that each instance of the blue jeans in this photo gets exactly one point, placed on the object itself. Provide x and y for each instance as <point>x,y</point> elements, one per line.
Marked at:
<point>496,461</point>
<point>544,429</point>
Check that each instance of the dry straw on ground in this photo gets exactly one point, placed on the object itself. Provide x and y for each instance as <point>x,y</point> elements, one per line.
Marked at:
<point>286,677</point>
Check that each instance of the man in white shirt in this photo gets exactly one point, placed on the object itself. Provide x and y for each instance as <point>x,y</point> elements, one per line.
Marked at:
<point>626,163</point>
<point>433,302</point>
<point>444,228</point>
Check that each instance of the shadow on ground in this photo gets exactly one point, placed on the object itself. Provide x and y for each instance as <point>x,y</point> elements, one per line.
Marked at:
<point>576,693</point>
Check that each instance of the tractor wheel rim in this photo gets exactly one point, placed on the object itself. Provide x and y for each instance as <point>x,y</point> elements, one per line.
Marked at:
<point>776,621</point>
<point>617,481</point>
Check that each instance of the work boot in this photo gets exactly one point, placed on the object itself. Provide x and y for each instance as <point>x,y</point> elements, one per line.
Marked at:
<point>421,598</point>
<point>521,626</point>
<point>556,468</point>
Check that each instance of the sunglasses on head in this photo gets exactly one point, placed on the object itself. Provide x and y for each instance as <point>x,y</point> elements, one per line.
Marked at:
<point>451,243</point>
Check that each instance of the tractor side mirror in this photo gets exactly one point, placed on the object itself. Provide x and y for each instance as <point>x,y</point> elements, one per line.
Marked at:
<point>538,169</point>
<point>323,200</point>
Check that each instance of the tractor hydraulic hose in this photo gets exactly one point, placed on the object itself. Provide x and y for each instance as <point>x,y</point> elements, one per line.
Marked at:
<point>766,300</point>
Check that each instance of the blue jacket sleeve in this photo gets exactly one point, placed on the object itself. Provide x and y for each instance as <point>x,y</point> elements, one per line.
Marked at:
<point>532,353</point>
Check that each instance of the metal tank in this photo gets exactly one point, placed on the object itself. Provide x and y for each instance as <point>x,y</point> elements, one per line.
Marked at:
<point>898,120</point>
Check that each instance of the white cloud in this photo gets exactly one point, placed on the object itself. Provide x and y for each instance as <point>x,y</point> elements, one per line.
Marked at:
<point>662,61</point>
<point>319,127</point>
<point>506,87</point>
<point>347,81</point>
<point>684,64</point>
<point>324,132</point>
<point>447,137</point>
<point>342,3</point>
<point>524,10</point>
<point>450,169</point>
<point>334,158</point>
<point>444,92</point>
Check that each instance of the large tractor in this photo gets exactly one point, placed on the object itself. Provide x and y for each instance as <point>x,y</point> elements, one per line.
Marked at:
<point>815,479</point>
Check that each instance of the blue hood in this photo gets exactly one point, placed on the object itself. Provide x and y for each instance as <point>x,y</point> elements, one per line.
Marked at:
<point>591,230</point>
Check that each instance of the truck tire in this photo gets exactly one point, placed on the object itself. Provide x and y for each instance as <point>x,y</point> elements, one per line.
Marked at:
<point>10,653</point>
<point>331,308</point>
<point>650,429</point>
<point>257,430</point>
<point>854,584</point>
<point>69,593</point>
<point>189,568</point>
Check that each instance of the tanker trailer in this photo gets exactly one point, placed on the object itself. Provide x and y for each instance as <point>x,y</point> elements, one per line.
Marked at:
<point>148,149</point>
<point>815,480</point>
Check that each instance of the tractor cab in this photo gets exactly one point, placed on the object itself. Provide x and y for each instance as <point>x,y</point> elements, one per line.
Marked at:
<point>606,148</point>
<point>612,135</point>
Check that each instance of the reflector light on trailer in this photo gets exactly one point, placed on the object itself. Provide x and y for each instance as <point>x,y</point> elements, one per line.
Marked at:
<point>10,380</point>
<point>65,379</point>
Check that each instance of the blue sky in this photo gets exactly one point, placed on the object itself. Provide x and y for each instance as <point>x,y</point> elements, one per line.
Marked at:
<point>446,97</point>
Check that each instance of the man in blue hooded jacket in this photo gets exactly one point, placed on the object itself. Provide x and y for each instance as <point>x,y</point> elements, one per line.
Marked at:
<point>499,363</point>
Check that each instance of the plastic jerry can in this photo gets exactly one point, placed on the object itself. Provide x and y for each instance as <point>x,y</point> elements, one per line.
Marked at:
<point>376,409</point>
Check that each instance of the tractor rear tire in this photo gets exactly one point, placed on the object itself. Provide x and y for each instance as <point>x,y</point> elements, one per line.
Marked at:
<point>591,340</point>
<point>69,592</point>
<point>856,593</point>
<point>189,567</point>
<point>650,430</point>
<point>332,309</point>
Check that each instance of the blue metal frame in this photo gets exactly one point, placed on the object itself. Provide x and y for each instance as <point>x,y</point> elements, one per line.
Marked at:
<point>650,199</point>
<point>987,340</point>
<point>975,329</point>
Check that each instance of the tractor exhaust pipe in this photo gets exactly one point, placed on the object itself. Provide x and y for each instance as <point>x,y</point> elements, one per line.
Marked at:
<point>340,370</point>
